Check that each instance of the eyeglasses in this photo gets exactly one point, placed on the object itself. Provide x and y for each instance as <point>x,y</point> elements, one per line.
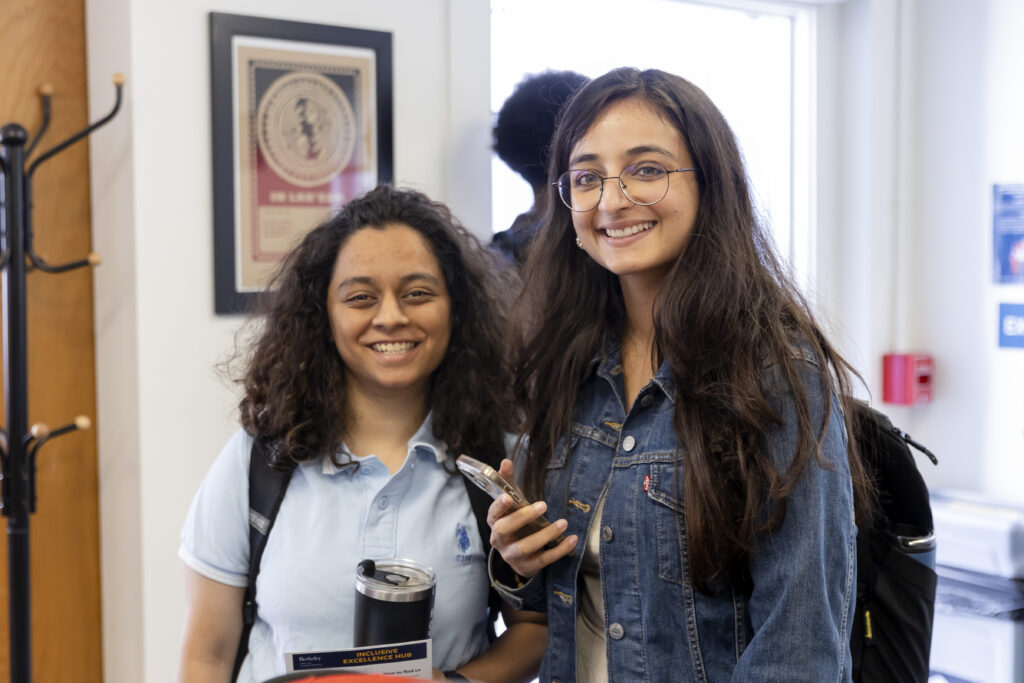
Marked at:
<point>643,184</point>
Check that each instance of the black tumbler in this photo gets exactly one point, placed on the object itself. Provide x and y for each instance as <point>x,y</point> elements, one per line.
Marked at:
<point>394,601</point>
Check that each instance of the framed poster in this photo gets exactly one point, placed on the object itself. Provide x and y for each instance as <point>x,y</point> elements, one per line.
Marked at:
<point>302,121</point>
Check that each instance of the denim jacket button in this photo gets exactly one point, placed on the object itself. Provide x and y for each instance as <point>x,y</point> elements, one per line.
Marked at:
<point>616,631</point>
<point>606,534</point>
<point>646,401</point>
<point>628,443</point>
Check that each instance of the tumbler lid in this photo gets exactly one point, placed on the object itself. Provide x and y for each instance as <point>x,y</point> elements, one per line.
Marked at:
<point>395,580</point>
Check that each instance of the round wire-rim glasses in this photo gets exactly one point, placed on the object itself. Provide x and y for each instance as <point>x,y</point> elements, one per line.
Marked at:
<point>643,184</point>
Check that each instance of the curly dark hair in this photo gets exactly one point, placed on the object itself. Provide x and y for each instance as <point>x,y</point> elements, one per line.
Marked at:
<point>527,120</point>
<point>294,380</point>
<point>726,310</point>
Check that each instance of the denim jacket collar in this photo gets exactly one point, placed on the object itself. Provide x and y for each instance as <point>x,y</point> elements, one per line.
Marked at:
<point>607,364</point>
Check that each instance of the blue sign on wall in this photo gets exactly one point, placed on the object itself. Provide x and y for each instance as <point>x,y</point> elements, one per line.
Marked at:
<point>1011,325</point>
<point>1008,233</point>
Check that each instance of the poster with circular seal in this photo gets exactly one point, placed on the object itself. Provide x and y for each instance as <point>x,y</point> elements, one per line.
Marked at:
<point>306,137</point>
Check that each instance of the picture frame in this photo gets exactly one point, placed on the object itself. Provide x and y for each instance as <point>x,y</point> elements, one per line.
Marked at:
<point>301,124</point>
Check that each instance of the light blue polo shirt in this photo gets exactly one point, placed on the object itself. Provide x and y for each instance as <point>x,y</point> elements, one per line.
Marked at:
<point>329,521</point>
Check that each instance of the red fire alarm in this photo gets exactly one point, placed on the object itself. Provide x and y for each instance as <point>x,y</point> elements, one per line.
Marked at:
<point>907,378</point>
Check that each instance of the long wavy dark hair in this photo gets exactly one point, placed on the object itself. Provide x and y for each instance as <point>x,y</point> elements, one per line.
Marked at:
<point>294,380</point>
<point>726,310</point>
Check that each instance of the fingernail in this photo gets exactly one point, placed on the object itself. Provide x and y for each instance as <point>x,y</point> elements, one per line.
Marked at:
<point>562,524</point>
<point>540,506</point>
<point>506,499</point>
<point>573,540</point>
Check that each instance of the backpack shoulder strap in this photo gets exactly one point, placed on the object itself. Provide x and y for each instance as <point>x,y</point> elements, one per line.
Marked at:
<point>266,491</point>
<point>902,494</point>
<point>480,502</point>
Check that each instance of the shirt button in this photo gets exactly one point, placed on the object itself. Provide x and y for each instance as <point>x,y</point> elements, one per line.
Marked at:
<point>646,401</point>
<point>616,631</point>
<point>628,443</point>
<point>606,534</point>
<point>383,503</point>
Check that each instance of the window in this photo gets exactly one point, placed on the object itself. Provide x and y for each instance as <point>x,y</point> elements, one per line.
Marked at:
<point>753,60</point>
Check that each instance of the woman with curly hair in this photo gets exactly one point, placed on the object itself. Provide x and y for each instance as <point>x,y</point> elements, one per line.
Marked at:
<point>380,359</point>
<point>687,419</point>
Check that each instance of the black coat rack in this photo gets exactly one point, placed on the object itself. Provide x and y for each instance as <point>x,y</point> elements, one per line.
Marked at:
<point>20,443</point>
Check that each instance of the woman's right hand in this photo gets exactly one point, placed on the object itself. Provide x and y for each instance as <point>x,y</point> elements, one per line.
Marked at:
<point>527,555</point>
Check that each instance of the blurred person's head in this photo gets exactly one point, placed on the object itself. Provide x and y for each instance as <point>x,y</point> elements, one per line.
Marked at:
<point>527,120</point>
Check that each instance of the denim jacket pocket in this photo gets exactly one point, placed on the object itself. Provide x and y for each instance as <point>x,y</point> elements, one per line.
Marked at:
<point>669,520</point>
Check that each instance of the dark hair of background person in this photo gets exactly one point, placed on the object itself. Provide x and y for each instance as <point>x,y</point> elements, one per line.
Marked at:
<point>294,379</point>
<point>726,311</point>
<point>526,122</point>
<point>522,134</point>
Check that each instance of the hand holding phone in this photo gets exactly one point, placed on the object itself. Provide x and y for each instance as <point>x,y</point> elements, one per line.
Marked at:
<point>488,479</point>
<point>534,544</point>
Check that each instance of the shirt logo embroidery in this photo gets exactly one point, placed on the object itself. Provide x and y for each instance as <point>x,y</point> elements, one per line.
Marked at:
<point>462,540</point>
<point>647,483</point>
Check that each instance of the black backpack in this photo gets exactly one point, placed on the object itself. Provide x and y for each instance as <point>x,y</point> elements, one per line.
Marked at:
<point>892,629</point>
<point>266,491</point>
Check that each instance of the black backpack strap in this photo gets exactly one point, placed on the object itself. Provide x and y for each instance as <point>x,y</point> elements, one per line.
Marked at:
<point>266,491</point>
<point>903,497</point>
<point>480,502</point>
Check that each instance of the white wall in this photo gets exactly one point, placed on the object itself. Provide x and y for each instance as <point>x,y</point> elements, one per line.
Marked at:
<point>928,108</point>
<point>951,265</point>
<point>1002,126</point>
<point>163,414</point>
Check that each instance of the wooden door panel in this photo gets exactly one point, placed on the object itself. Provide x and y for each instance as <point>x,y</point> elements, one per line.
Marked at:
<point>44,42</point>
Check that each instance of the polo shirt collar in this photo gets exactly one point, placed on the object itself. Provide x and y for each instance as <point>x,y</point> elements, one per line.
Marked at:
<point>423,442</point>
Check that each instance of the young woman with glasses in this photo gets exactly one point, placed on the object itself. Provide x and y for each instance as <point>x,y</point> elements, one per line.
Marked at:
<point>685,415</point>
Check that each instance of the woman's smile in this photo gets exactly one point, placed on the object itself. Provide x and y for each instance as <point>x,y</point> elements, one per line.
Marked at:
<point>617,233</point>
<point>393,348</point>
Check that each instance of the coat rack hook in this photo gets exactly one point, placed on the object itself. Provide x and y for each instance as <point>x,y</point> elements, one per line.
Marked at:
<point>38,435</point>
<point>45,94</point>
<point>35,259</point>
<point>56,149</point>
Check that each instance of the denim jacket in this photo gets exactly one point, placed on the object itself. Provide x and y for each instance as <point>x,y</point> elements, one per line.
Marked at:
<point>793,625</point>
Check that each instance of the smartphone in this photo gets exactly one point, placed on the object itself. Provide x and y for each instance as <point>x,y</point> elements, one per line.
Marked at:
<point>488,479</point>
